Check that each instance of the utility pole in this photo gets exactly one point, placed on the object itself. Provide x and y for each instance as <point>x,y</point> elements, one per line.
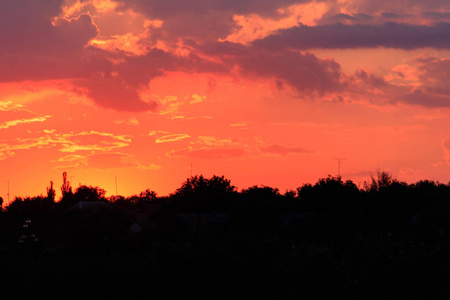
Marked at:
<point>191,168</point>
<point>339,160</point>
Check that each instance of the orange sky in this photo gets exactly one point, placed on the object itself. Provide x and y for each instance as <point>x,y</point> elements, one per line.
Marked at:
<point>260,91</point>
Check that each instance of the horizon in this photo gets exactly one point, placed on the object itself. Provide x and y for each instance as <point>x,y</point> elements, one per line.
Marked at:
<point>365,186</point>
<point>278,93</point>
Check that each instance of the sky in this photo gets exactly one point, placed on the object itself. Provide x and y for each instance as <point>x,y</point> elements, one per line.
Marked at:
<point>264,92</point>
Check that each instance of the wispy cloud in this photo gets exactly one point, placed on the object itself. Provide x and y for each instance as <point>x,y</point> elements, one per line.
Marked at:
<point>130,121</point>
<point>70,142</point>
<point>104,161</point>
<point>8,124</point>
<point>9,106</point>
<point>207,153</point>
<point>171,138</point>
<point>197,99</point>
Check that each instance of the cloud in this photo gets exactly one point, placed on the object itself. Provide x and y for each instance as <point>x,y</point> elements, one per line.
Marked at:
<point>303,71</point>
<point>171,138</point>
<point>114,92</point>
<point>8,124</point>
<point>427,80</point>
<point>410,175</point>
<point>91,141</point>
<point>205,19</point>
<point>119,86</point>
<point>72,157</point>
<point>34,48</point>
<point>281,150</point>
<point>175,36</point>
<point>340,36</point>
<point>9,106</point>
<point>131,121</point>
<point>207,153</point>
<point>197,99</point>
<point>446,149</point>
<point>4,155</point>
<point>419,97</point>
<point>154,132</point>
<point>116,79</point>
<point>104,161</point>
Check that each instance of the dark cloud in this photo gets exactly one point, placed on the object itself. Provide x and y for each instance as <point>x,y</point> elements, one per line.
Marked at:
<point>204,19</point>
<point>164,9</point>
<point>435,71</point>
<point>138,70</point>
<point>27,29</point>
<point>434,77</point>
<point>391,15</point>
<point>372,7</point>
<point>340,36</point>
<point>113,92</point>
<point>303,71</point>
<point>370,79</point>
<point>437,15</point>
<point>34,48</point>
<point>419,97</point>
<point>38,49</point>
<point>360,18</point>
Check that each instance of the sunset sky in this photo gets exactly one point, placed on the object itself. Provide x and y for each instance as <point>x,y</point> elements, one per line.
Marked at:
<point>264,92</point>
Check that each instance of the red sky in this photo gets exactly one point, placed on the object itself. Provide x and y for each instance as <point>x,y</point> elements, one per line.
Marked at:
<point>261,91</point>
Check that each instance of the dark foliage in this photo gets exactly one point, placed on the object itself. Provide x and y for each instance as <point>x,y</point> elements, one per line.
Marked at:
<point>388,240</point>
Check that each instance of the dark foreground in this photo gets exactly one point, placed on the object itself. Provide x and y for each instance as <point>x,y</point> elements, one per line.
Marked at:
<point>334,240</point>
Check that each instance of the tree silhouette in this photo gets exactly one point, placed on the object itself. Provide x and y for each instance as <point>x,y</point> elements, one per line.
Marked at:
<point>89,193</point>
<point>202,194</point>
<point>51,192</point>
<point>329,193</point>
<point>66,189</point>
<point>201,185</point>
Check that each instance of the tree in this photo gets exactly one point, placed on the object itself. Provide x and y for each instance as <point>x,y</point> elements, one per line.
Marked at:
<point>199,185</point>
<point>89,193</point>
<point>202,194</point>
<point>67,198</point>
<point>66,189</point>
<point>329,193</point>
<point>384,182</point>
<point>147,195</point>
<point>51,192</point>
<point>261,197</point>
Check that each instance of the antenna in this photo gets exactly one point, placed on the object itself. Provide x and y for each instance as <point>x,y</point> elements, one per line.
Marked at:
<point>191,168</point>
<point>339,165</point>
<point>116,184</point>
<point>8,191</point>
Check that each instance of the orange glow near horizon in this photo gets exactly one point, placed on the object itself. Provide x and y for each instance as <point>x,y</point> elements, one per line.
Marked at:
<point>264,95</point>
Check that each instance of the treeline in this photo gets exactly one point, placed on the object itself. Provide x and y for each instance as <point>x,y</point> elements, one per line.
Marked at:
<point>384,196</point>
<point>209,240</point>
